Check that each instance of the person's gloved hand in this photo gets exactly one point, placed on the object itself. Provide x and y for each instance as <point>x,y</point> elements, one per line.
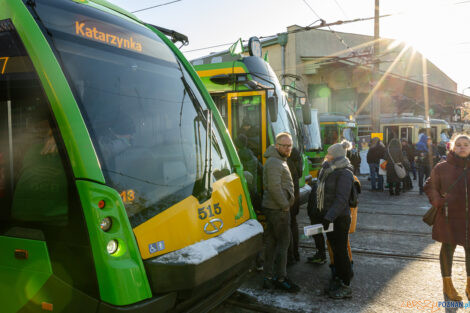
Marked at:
<point>326,224</point>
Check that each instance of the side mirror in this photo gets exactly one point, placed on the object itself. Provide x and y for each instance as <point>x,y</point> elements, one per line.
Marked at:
<point>307,113</point>
<point>272,108</point>
<point>222,79</point>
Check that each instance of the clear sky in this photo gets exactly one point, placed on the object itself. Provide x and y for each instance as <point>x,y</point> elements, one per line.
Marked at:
<point>439,29</point>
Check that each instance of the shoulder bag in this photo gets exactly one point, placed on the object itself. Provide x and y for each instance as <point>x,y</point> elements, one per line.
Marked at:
<point>398,167</point>
<point>430,216</point>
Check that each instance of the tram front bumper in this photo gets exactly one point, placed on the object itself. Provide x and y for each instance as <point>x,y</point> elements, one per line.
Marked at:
<point>216,260</point>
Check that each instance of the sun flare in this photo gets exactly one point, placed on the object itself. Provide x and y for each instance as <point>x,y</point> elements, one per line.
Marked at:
<point>421,23</point>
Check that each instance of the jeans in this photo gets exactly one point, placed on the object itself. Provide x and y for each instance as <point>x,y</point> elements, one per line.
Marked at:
<point>277,239</point>
<point>374,176</point>
<point>413,169</point>
<point>423,173</point>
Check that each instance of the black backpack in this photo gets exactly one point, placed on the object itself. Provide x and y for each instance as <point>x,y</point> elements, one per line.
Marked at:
<point>355,191</point>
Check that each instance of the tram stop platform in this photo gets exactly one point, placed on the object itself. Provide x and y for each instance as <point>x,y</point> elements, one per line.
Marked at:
<point>396,265</point>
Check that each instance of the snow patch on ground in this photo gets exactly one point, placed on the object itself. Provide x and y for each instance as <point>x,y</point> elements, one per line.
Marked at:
<point>299,302</point>
<point>204,250</point>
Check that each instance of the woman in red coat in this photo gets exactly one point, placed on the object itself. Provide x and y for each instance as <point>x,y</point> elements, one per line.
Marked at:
<point>447,188</point>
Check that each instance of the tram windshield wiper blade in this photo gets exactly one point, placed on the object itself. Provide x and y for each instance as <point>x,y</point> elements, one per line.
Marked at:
<point>203,186</point>
<point>174,35</point>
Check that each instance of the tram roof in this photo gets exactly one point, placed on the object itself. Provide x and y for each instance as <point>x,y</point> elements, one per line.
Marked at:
<point>398,119</point>
<point>435,121</point>
<point>332,117</point>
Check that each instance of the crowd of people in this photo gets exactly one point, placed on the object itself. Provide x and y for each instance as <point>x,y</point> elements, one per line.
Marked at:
<point>402,162</point>
<point>279,204</point>
<point>441,172</point>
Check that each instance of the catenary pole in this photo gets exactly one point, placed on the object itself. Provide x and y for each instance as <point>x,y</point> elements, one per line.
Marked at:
<point>375,105</point>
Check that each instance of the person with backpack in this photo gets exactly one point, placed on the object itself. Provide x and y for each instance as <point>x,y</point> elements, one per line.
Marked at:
<point>335,182</point>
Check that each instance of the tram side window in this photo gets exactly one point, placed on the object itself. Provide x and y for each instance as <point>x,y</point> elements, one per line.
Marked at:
<point>247,121</point>
<point>434,134</point>
<point>36,200</point>
<point>406,133</point>
<point>33,180</point>
<point>221,103</point>
<point>331,134</point>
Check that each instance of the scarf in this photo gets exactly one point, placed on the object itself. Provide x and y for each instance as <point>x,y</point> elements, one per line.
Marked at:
<point>327,169</point>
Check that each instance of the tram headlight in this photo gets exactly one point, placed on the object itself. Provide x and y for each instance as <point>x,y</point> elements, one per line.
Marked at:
<point>106,223</point>
<point>112,246</point>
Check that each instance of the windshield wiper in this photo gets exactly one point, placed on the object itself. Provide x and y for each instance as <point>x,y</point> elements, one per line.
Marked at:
<point>203,185</point>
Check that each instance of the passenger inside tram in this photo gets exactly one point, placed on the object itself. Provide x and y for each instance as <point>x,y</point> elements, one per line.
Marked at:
<point>331,136</point>
<point>40,193</point>
<point>252,135</point>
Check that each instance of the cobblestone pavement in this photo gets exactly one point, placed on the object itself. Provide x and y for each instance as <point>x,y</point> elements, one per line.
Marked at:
<point>396,265</point>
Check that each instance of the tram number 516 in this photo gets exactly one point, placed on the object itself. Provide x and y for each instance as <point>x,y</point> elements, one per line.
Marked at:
<point>209,211</point>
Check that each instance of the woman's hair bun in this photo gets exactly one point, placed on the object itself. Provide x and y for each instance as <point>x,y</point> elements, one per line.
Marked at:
<point>346,145</point>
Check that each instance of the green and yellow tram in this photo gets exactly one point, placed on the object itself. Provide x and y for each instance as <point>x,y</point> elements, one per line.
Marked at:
<point>309,129</point>
<point>333,128</point>
<point>251,101</point>
<point>120,190</point>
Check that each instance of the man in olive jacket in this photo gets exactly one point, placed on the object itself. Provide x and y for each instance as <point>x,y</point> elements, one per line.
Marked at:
<point>278,197</point>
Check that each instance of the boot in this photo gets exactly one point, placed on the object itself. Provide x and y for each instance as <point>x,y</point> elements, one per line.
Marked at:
<point>467,289</point>
<point>449,290</point>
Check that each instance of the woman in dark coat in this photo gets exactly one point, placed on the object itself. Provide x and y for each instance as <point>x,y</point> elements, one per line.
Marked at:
<point>335,181</point>
<point>446,189</point>
<point>393,152</point>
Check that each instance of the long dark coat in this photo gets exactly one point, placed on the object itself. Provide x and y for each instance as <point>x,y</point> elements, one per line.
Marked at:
<point>453,227</point>
<point>393,152</point>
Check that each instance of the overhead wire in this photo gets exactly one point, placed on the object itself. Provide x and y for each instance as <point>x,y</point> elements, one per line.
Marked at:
<point>156,6</point>
<point>302,29</point>
<point>341,8</point>
<point>336,34</point>
<point>215,46</point>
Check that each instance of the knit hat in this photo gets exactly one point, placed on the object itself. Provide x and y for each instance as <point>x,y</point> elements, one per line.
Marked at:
<point>339,149</point>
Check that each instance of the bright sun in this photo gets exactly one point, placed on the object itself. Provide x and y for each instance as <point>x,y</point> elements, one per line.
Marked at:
<point>421,23</point>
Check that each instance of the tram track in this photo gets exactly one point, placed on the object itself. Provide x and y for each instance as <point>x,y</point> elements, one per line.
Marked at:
<point>390,254</point>
<point>390,214</point>
<point>383,231</point>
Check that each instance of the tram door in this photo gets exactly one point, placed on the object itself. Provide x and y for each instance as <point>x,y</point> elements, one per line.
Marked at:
<point>246,115</point>
<point>390,132</point>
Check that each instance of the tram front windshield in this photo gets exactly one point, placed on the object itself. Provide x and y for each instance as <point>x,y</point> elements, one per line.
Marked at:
<point>348,134</point>
<point>264,75</point>
<point>146,118</point>
<point>312,131</point>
